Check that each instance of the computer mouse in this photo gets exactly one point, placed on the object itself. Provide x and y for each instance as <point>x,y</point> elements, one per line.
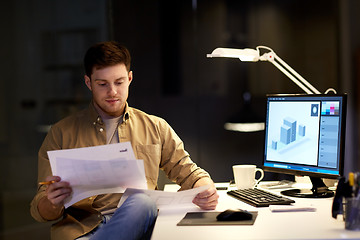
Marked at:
<point>234,215</point>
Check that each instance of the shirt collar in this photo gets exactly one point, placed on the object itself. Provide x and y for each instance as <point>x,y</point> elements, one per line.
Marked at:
<point>126,112</point>
<point>95,117</point>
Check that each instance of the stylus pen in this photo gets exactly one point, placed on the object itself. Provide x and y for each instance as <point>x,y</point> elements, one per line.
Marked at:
<point>352,183</point>
<point>46,183</point>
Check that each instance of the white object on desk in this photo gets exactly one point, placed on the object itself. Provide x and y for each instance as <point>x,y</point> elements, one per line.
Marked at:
<point>245,176</point>
<point>292,208</point>
<point>278,184</point>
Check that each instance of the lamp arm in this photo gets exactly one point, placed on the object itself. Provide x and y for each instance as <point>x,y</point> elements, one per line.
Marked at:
<point>291,70</point>
<point>288,71</point>
<point>296,81</point>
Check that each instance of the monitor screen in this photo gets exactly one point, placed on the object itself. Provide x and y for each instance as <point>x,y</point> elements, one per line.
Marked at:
<point>305,135</point>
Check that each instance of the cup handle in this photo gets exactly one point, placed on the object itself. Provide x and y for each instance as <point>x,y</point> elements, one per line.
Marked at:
<point>261,176</point>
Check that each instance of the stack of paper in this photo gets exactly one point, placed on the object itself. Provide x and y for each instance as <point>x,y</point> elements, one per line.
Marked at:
<point>98,170</point>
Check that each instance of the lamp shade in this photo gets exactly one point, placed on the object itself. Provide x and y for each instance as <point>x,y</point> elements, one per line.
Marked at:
<point>245,55</point>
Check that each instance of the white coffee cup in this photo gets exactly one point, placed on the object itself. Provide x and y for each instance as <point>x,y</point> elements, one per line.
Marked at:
<point>245,176</point>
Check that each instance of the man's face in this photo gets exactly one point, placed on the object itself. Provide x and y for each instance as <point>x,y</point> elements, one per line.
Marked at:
<point>110,88</point>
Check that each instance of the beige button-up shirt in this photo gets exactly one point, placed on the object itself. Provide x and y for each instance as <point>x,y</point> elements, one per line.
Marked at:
<point>152,139</point>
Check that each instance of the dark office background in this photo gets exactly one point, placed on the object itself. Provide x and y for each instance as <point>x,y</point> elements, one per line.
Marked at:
<point>43,42</point>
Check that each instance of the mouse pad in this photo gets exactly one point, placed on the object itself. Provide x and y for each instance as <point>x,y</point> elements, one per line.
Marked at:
<point>209,218</point>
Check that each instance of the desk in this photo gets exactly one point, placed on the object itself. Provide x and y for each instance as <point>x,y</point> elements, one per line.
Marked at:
<point>268,225</point>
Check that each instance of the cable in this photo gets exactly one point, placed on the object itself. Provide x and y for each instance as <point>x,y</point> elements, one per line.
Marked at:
<point>330,89</point>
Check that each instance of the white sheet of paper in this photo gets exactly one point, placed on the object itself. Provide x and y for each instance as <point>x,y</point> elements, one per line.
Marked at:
<point>166,199</point>
<point>103,152</point>
<point>98,170</point>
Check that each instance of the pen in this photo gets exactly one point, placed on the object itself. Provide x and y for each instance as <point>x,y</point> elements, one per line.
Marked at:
<point>46,183</point>
<point>352,182</point>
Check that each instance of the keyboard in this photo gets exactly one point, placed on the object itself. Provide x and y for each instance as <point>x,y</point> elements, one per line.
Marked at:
<point>259,198</point>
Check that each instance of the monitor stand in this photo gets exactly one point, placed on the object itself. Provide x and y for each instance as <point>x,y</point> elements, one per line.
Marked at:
<point>319,190</point>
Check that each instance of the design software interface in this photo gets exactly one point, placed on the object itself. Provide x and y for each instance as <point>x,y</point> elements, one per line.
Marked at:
<point>303,133</point>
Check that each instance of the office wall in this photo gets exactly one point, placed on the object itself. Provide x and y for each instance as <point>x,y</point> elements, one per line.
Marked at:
<point>42,46</point>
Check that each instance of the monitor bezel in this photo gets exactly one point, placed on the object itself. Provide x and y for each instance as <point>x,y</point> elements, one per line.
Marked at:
<point>342,138</point>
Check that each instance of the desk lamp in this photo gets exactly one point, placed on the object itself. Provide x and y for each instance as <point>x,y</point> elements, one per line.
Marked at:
<point>252,55</point>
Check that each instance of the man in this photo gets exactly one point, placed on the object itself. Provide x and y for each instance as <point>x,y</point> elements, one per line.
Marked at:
<point>109,119</point>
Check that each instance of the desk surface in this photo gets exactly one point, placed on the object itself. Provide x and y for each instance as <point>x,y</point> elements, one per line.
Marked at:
<point>268,225</point>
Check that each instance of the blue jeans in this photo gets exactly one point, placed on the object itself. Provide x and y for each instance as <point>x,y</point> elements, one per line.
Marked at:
<point>134,219</point>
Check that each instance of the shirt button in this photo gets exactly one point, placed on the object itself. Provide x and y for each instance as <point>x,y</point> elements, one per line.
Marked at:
<point>101,129</point>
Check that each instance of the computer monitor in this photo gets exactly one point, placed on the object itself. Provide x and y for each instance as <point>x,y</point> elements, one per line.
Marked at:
<point>304,135</point>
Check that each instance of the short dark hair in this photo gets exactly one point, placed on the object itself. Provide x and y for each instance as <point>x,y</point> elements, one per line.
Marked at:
<point>106,54</point>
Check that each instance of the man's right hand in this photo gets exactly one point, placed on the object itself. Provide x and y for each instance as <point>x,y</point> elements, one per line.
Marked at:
<point>58,191</point>
<point>52,204</point>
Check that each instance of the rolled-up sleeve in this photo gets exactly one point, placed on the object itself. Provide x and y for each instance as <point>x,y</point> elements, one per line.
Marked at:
<point>44,170</point>
<point>176,162</point>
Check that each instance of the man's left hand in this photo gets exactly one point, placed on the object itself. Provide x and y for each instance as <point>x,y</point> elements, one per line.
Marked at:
<point>207,199</point>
